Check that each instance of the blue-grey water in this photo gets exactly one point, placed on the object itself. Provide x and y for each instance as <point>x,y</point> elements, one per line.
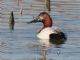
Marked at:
<point>22,43</point>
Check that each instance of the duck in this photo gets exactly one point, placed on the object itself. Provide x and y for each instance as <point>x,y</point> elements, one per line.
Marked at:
<point>49,34</point>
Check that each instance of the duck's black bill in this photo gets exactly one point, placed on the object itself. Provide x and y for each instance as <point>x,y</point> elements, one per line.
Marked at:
<point>34,21</point>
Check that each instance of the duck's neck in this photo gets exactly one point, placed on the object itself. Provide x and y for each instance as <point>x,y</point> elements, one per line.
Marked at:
<point>47,23</point>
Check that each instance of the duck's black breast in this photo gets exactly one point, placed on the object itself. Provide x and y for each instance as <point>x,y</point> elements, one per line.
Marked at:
<point>58,38</point>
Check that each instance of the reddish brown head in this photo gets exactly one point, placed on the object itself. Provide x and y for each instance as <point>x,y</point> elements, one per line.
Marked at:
<point>45,18</point>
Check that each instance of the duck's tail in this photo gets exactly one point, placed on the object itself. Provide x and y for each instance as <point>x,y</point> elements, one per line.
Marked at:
<point>58,38</point>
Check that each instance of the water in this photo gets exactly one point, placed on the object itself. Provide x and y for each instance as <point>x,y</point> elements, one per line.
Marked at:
<point>22,43</point>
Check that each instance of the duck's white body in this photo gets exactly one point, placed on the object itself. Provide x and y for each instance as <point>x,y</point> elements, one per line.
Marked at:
<point>45,33</point>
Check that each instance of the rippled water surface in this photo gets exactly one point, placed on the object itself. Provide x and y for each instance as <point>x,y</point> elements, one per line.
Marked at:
<point>22,43</point>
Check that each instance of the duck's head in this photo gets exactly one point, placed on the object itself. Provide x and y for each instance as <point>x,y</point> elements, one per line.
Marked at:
<point>43,17</point>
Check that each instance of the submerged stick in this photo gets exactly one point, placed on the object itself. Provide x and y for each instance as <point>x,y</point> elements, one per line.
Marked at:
<point>18,2</point>
<point>44,52</point>
<point>21,11</point>
<point>48,5</point>
<point>11,21</point>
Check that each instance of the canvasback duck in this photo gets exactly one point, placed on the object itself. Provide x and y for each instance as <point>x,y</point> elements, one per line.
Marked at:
<point>49,34</point>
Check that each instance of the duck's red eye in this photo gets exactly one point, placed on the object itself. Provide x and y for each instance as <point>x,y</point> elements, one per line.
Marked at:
<point>41,17</point>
